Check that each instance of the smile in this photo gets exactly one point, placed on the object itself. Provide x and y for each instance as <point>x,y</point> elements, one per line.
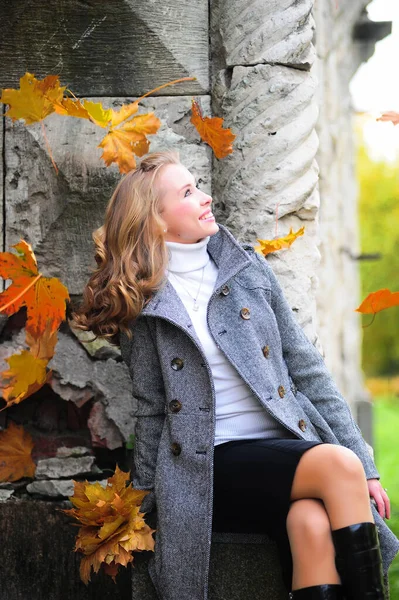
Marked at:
<point>208,217</point>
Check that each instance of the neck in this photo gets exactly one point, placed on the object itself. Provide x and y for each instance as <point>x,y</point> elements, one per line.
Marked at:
<point>187,257</point>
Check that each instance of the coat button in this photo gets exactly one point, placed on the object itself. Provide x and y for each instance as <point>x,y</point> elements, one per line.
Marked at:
<point>245,313</point>
<point>225,290</point>
<point>176,448</point>
<point>177,364</point>
<point>281,391</point>
<point>266,351</point>
<point>175,405</point>
<point>302,424</point>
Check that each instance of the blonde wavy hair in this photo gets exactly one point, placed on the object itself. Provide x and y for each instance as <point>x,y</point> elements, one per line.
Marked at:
<point>130,252</point>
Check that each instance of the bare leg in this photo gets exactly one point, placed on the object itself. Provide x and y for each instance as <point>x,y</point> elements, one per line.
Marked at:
<point>335,475</point>
<point>312,549</point>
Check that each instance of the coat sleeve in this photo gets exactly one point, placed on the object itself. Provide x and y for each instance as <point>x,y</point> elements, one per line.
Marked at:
<point>308,370</point>
<point>142,359</point>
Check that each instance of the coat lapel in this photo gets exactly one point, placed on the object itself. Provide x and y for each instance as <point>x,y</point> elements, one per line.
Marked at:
<point>229,257</point>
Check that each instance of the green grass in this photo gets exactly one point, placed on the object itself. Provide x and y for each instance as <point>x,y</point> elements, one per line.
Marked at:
<point>386,453</point>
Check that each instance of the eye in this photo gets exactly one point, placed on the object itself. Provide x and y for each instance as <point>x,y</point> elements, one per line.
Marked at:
<point>188,189</point>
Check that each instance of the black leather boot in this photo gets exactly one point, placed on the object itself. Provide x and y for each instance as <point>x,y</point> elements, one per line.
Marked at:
<point>358,561</point>
<point>327,591</point>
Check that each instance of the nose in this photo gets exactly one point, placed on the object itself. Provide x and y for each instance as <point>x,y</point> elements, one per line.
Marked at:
<point>207,198</point>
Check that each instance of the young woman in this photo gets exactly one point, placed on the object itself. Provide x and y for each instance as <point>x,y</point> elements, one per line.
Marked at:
<point>239,425</point>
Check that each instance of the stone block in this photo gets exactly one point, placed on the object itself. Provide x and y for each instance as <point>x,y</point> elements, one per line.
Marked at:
<point>54,468</point>
<point>37,557</point>
<point>104,48</point>
<point>56,214</point>
<point>242,566</point>
<point>251,33</point>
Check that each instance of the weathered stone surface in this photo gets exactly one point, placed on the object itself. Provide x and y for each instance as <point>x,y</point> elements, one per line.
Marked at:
<point>55,488</point>
<point>113,48</point>
<point>64,452</point>
<point>253,32</point>
<point>99,348</point>
<point>107,381</point>
<point>254,557</point>
<point>5,495</point>
<point>37,557</point>
<point>103,431</point>
<point>56,214</point>
<point>54,468</point>
<point>272,171</point>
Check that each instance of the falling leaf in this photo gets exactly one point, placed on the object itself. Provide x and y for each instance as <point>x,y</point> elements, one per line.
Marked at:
<point>390,116</point>
<point>43,297</point>
<point>16,447</point>
<point>34,100</point>
<point>112,524</point>
<point>267,246</point>
<point>378,300</point>
<point>26,375</point>
<point>120,145</point>
<point>212,132</point>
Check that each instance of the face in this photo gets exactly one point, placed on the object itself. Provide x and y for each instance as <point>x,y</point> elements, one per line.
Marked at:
<point>182,206</point>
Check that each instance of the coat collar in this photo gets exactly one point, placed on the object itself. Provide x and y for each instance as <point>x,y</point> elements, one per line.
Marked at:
<point>229,257</point>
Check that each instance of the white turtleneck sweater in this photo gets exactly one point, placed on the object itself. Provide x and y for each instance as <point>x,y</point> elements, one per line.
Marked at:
<point>239,413</point>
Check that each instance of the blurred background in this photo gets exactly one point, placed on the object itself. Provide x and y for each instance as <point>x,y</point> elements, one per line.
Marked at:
<point>374,90</point>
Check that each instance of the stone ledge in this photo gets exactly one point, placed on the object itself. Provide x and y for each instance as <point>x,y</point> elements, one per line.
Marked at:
<point>242,566</point>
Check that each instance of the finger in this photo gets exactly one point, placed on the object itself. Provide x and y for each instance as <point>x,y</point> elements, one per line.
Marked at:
<point>387,504</point>
<point>380,504</point>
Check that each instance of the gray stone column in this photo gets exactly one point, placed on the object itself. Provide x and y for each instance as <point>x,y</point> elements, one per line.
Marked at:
<point>264,88</point>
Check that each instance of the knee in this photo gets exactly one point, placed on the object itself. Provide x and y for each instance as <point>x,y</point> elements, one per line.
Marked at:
<point>344,462</point>
<point>308,522</point>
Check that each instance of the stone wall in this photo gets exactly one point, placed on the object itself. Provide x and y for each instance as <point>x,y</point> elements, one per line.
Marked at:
<point>278,72</point>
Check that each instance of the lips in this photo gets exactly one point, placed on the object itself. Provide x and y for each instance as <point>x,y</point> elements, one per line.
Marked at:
<point>206,216</point>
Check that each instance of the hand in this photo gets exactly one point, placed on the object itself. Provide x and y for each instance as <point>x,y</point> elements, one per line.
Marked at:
<point>377,492</point>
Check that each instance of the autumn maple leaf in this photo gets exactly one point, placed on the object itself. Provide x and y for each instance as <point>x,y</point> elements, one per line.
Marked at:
<point>212,132</point>
<point>43,297</point>
<point>120,145</point>
<point>379,300</point>
<point>112,524</point>
<point>267,246</point>
<point>34,100</point>
<point>16,447</point>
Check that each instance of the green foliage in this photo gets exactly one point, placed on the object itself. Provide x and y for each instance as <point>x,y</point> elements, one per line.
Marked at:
<point>386,419</point>
<point>379,232</point>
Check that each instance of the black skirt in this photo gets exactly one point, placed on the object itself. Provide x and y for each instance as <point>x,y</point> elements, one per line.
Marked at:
<point>257,473</point>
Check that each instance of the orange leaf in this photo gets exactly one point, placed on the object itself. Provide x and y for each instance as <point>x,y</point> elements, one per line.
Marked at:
<point>212,132</point>
<point>43,297</point>
<point>378,300</point>
<point>26,375</point>
<point>34,100</point>
<point>267,246</point>
<point>120,145</point>
<point>125,112</point>
<point>71,108</point>
<point>390,116</point>
<point>113,525</point>
<point>15,453</point>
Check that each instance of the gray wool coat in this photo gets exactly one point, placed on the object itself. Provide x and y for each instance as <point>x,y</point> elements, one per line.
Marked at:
<point>175,426</point>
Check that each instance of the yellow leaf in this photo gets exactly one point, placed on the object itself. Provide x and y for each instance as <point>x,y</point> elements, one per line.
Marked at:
<point>113,525</point>
<point>267,246</point>
<point>34,100</point>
